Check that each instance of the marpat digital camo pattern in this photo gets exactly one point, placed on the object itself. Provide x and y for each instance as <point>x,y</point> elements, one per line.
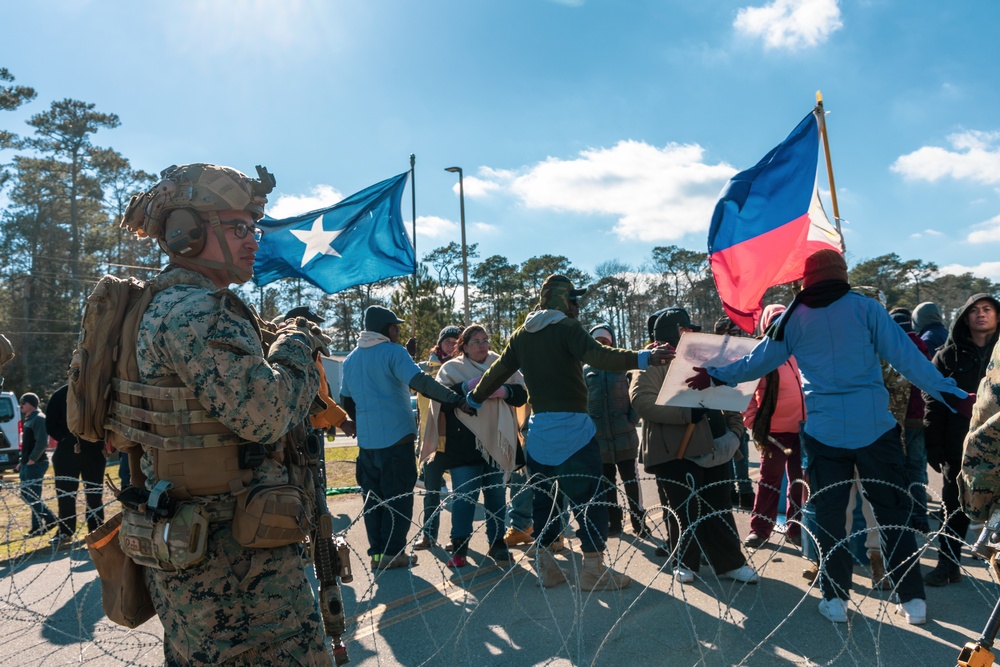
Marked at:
<point>980,478</point>
<point>239,606</point>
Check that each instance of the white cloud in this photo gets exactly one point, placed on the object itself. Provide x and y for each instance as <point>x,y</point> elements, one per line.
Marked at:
<point>790,24</point>
<point>288,206</point>
<point>926,232</point>
<point>985,232</point>
<point>437,228</point>
<point>485,228</point>
<point>658,194</point>
<point>974,156</point>
<point>989,270</point>
<point>477,188</point>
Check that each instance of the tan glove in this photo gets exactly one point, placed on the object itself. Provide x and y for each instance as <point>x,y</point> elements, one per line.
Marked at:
<point>315,338</point>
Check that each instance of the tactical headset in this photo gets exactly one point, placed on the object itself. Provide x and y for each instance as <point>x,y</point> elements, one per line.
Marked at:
<point>183,233</point>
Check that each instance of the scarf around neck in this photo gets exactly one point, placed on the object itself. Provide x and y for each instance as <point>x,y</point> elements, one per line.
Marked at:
<point>494,426</point>
<point>819,295</point>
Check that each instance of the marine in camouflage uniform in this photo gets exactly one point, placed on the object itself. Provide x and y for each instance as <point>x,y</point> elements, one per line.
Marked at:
<point>239,606</point>
<point>981,458</point>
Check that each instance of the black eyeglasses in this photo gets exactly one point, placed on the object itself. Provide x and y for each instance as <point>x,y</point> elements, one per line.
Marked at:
<point>241,229</point>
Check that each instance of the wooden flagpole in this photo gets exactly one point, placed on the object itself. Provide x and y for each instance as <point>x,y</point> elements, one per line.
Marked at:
<point>821,120</point>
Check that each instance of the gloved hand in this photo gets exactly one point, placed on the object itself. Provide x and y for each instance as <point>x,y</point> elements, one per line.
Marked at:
<point>314,337</point>
<point>964,406</point>
<point>464,406</point>
<point>469,385</point>
<point>411,347</point>
<point>697,414</point>
<point>700,380</point>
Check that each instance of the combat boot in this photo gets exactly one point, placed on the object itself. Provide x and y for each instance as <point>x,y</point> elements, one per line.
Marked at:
<point>946,572</point>
<point>596,576</point>
<point>549,574</point>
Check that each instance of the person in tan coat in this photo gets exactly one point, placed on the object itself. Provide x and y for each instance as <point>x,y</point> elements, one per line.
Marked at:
<point>689,450</point>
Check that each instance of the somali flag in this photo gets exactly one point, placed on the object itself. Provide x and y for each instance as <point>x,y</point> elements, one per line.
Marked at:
<point>768,220</point>
<point>357,241</point>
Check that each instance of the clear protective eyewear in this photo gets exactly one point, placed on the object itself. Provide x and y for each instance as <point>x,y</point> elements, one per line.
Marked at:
<point>241,229</point>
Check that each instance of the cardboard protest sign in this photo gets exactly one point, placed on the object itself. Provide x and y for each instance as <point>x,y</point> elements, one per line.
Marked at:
<point>700,350</point>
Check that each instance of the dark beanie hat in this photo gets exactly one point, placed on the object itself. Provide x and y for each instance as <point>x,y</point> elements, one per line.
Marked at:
<point>378,318</point>
<point>30,398</point>
<point>306,312</point>
<point>665,329</point>
<point>449,332</point>
<point>824,265</point>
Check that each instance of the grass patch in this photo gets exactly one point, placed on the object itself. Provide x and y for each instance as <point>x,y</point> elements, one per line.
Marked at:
<point>341,466</point>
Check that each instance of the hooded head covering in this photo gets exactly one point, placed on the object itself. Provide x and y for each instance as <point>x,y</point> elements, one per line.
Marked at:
<point>557,290</point>
<point>926,314</point>
<point>960,332</point>
<point>822,266</point>
<point>665,329</point>
<point>770,314</point>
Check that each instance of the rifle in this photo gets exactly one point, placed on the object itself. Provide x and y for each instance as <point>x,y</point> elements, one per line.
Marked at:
<point>331,555</point>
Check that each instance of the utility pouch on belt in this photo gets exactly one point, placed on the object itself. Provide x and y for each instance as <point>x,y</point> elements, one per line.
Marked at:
<point>173,543</point>
<point>269,516</point>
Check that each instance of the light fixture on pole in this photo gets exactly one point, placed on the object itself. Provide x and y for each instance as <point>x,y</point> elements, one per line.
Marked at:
<point>465,257</point>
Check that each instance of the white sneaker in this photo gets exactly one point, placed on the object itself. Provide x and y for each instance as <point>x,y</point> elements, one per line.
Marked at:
<point>683,575</point>
<point>834,610</point>
<point>914,611</point>
<point>745,574</point>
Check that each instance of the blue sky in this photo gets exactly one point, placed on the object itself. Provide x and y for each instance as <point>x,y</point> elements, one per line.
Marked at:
<point>595,129</point>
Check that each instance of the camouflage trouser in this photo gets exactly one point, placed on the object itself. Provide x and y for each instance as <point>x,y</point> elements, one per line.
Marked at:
<point>239,607</point>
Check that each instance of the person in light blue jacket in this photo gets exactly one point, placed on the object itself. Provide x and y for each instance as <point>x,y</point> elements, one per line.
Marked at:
<point>837,337</point>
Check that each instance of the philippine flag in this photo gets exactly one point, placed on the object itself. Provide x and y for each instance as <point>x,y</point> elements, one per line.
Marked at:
<point>768,220</point>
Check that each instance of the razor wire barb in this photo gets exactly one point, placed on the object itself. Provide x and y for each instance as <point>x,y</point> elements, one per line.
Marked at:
<point>51,611</point>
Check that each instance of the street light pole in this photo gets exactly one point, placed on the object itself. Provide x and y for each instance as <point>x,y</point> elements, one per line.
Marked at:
<point>465,254</point>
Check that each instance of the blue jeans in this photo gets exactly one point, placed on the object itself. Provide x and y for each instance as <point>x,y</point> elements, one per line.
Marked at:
<point>521,498</point>
<point>386,477</point>
<point>831,471</point>
<point>580,481</point>
<point>31,493</point>
<point>467,482</point>
<point>916,474</point>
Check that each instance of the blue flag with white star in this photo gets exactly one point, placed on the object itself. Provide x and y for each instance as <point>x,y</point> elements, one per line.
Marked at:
<point>357,241</point>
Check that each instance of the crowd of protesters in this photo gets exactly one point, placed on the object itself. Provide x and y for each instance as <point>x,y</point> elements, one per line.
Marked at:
<point>851,404</point>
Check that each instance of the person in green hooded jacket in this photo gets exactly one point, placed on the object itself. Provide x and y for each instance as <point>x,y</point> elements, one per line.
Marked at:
<point>563,456</point>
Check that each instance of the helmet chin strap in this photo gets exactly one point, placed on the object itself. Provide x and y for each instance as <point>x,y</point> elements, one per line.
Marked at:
<point>235,273</point>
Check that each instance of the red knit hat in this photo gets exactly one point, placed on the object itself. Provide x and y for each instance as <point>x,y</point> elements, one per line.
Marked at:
<point>824,265</point>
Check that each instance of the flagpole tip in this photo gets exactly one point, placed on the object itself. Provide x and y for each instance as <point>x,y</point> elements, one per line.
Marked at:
<point>819,97</point>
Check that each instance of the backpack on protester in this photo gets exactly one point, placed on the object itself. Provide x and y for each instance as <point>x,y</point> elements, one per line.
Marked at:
<point>106,351</point>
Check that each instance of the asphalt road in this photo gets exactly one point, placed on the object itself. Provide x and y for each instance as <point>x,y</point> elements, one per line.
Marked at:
<point>486,614</point>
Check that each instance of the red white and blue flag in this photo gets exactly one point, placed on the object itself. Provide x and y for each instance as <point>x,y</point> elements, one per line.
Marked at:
<point>768,220</point>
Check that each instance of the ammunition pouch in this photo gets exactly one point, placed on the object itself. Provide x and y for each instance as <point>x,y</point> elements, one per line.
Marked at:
<point>269,516</point>
<point>166,543</point>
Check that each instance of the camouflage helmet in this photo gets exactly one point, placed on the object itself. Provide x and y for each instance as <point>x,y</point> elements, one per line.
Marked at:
<point>204,188</point>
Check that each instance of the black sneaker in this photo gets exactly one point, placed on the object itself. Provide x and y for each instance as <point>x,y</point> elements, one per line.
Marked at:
<point>943,574</point>
<point>500,553</point>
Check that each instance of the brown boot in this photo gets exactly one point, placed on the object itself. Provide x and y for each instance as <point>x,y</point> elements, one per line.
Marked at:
<point>596,576</point>
<point>549,574</point>
<point>880,582</point>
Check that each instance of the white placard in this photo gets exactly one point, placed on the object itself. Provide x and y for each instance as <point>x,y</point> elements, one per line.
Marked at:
<point>700,350</point>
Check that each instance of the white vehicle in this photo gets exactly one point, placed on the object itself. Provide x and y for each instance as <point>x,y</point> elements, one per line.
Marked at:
<point>10,423</point>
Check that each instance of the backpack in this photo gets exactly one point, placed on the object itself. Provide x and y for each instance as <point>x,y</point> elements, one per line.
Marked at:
<point>106,350</point>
